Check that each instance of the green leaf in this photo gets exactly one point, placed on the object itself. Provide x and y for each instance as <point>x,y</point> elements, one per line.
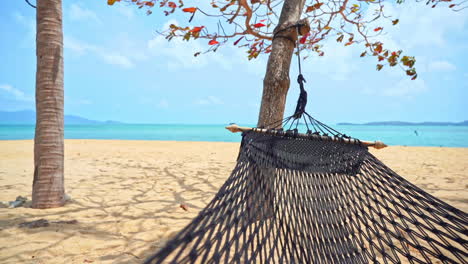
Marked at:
<point>340,38</point>
<point>411,72</point>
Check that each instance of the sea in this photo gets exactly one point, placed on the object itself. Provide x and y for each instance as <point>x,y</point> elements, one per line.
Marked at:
<point>434,136</point>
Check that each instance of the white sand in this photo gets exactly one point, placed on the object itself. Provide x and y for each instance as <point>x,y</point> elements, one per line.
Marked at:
<point>126,195</point>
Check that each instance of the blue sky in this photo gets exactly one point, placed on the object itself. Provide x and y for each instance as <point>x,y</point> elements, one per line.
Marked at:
<point>118,68</point>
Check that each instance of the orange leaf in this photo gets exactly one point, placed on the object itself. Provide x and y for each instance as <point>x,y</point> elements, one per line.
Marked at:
<point>172,5</point>
<point>378,49</point>
<point>349,43</point>
<point>110,2</point>
<point>313,7</point>
<point>259,25</point>
<point>213,42</point>
<point>150,4</point>
<point>378,29</point>
<point>190,9</point>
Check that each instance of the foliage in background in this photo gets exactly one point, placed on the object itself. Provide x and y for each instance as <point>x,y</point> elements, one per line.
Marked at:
<point>250,24</point>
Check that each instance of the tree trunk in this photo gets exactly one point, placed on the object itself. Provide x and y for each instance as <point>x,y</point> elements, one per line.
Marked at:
<point>276,81</point>
<point>48,184</point>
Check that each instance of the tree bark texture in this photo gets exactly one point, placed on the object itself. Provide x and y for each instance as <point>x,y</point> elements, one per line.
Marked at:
<point>276,81</point>
<point>48,184</point>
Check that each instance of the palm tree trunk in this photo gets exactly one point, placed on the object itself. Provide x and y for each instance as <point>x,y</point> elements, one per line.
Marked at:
<point>48,184</point>
<point>276,81</point>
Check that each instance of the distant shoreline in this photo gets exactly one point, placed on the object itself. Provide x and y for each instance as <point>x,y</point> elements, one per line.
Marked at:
<point>106,123</point>
<point>400,123</point>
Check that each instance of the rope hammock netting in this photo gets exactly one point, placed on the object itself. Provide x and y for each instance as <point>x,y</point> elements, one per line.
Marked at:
<point>317,197</point>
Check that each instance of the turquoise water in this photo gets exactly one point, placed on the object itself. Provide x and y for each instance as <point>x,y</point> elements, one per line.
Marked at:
<point>446,136</point>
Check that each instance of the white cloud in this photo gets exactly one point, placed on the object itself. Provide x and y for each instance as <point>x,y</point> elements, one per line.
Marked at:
<point>117,59</point>
<point>180,53</point>
<point>406,88</point>
<point>338,63</point>
<point>441,66</point>
<point>114,58</point>
<point>79,13</point>
<point>78,47</point>
<point>164,104</point>
<point>209,100</point>
<point>30,25</point>
<point>125,10</point>
<point>15,93</point>
<point>84,102</point>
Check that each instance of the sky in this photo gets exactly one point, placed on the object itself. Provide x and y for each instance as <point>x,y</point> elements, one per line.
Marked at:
<point>118,68</point>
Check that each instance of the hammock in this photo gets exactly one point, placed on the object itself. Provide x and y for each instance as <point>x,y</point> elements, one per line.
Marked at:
<point>304,198</point>
<point>317,197</point>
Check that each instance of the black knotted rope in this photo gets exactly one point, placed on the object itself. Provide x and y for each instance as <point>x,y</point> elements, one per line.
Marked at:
<point>303,200</point>
<point>302,100</point>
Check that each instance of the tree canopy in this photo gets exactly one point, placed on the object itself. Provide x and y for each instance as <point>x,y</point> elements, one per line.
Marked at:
<point>252,24</point>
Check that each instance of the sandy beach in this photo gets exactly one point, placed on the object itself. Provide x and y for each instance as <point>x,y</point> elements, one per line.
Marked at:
<point>126,196</point>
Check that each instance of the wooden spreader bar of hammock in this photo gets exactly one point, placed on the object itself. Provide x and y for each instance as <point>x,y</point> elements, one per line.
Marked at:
<point>375,144</point>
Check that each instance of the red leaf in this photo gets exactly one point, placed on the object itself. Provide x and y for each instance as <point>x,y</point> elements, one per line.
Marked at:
<point>213,42</point>
<point>184,207</point>
<point>190,9</point>
<point>378,29</point>
<point>259,25</point>
<point>452,5</point>
<point>172,5</point>
<point>349,43</point>
<point>196,29</point>
<point>304,38</point>
<point>394,53</point>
